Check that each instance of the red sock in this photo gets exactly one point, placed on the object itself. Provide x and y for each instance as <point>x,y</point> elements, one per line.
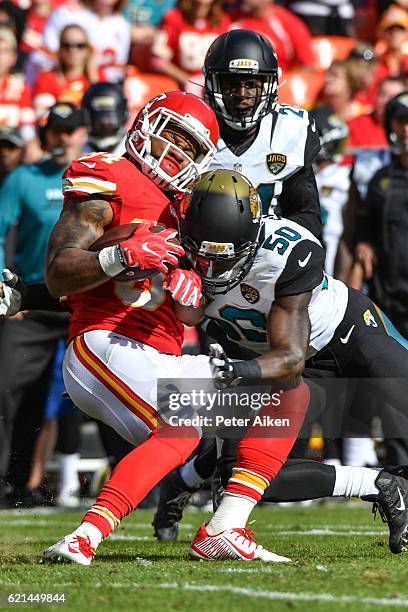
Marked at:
<point>260,455</point>
<point>137,473</point>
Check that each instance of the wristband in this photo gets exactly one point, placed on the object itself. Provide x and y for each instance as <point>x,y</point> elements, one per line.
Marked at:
<point>110,260</point>
<point>249,371</point>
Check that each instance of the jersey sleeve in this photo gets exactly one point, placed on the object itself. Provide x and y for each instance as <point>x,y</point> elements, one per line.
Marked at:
<point>89,175</point>
<point>299,200</point>
<point>303,270</point>
<point>312,146</point>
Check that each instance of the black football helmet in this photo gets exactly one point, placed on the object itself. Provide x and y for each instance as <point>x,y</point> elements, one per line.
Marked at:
<point>333,133</point>
<point>106,112</point>
<point>396,108</point>
<point>230,58</point>
<point>221,228</point>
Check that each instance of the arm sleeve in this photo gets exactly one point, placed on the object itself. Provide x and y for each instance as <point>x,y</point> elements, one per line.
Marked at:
<point>303,271</point>
<point>299,200</point>
<point>10,209</point>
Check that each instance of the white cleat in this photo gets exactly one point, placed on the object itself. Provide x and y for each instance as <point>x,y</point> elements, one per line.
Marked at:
<point>73,547</point>
<point>235,543</point>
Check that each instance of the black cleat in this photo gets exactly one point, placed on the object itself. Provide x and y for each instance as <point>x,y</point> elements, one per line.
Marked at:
<point>174,496</point>
<point>392,504</point>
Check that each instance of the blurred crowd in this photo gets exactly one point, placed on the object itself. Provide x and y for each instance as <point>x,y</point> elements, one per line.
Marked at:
<point>72,76</point>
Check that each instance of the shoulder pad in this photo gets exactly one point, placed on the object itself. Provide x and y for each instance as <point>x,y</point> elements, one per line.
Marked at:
<point>92,174</point>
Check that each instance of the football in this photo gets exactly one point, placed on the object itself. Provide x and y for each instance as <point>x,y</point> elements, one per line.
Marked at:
<point>123,232</point>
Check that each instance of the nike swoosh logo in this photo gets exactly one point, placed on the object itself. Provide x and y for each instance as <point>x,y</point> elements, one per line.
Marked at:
<point>346,338</point>
<point>303,263</point>
<point>242,552</point>
<point>402,506</point>
<point>89,164</point>
<point>146,248</point>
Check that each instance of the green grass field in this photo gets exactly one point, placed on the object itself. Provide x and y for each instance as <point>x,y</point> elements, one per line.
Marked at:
<point>340,558</point>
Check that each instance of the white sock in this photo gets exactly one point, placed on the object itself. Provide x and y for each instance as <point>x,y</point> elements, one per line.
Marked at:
<point>87,529</point>
<point>354,481</point>
<point>68,474</point>
<point>190,475</point>
<point>359,452</point>
<point>233,511</point>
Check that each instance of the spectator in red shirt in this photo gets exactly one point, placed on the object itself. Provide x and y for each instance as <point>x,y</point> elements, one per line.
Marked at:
<point>16,108</point>
<point>183,38</point>
<point>36,18</point>
<point>362,63</point>
<point>71,77</point>
<point>339,90</point>
<point>367,130</point>
<point>289,36</point>
<point>393,30</point>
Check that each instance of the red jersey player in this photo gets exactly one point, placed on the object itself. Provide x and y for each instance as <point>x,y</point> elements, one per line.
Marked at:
<point>124,336</point>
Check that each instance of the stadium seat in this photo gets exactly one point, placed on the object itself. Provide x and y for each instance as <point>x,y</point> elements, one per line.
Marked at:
<point>140,87</point>
<point>301,88</point>
<point>329,48</point>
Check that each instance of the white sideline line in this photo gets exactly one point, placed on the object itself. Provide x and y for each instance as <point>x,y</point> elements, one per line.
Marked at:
<point>274,595</point>
<point>124,538</point>
<point>322,531</point>
<point>281,595</point>
<point>327,532</point>
<point>118,537</point>
<point>254,593</point>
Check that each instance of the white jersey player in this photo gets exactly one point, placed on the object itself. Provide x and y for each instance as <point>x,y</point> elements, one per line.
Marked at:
<point>285,143</point>
<point>268,294</point>
<point>272,144</point>
<point>289,261</point>
<point>333,178</point>
<point>333,183</point>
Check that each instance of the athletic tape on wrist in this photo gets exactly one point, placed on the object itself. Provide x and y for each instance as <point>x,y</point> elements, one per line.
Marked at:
<point>110,260</point>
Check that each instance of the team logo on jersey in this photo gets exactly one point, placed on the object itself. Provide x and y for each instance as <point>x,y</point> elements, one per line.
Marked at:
<point>276,162</point>
<point>326,190</point>
<point>369,319</point>
<point>250,294</point>
<point>254,203</point>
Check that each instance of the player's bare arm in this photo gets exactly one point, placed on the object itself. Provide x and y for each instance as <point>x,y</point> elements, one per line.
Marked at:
<point>288,334</point>
<point>70,266</point>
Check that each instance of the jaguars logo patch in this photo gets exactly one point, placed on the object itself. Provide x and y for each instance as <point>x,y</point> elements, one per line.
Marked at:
<point>326,190</point>
<point>369,319</point>
<point>250,294</point>
<point>276,162</point>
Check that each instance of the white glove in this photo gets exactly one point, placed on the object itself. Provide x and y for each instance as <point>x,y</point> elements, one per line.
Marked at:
<point>10,303</point>
<point>222,368</point>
